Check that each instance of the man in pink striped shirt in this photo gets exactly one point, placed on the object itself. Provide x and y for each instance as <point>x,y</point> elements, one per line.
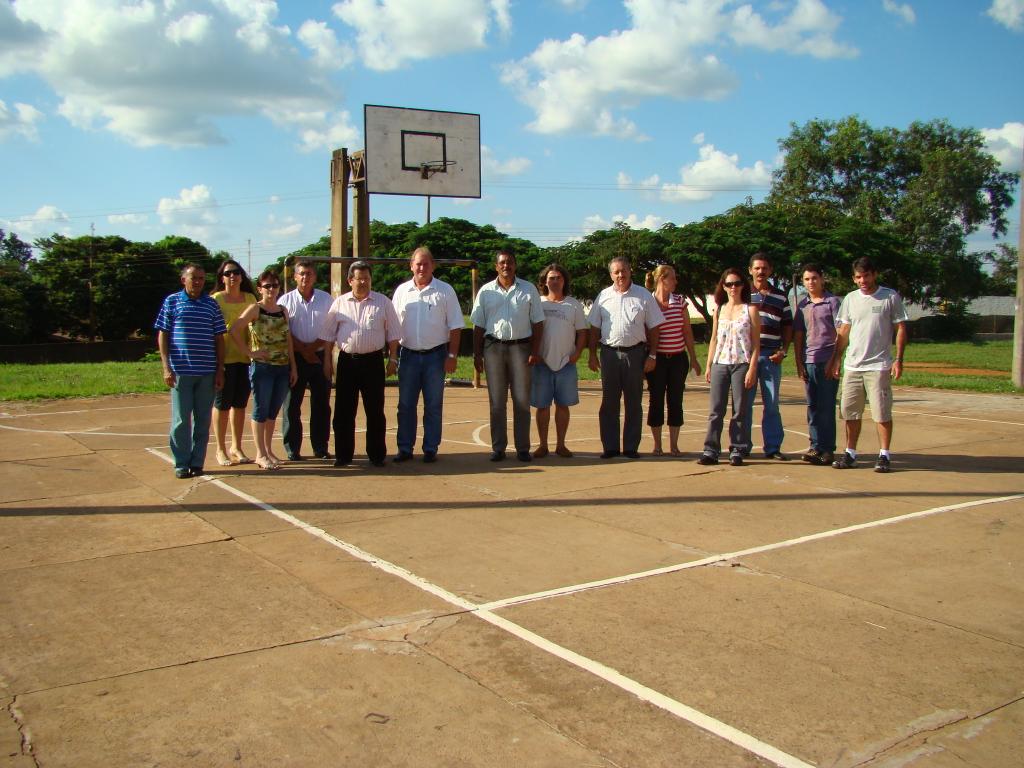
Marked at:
<point>363,324</point>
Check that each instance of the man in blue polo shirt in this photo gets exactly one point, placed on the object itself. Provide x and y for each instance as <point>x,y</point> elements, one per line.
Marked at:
<point>776,333</point>
<point>190,335</point>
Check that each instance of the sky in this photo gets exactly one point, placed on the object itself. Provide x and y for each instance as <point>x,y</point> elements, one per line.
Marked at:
<point>216,119</point>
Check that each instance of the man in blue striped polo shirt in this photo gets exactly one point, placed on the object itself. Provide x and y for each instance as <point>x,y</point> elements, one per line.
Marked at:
<point>776,333</point>
<point>190,334</point>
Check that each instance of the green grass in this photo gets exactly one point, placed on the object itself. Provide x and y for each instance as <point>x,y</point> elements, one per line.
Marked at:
<point>35,382</point>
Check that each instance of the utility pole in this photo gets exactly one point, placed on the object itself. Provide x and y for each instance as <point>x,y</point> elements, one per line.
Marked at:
<point>339,217</point>
<point>90,283</point>
<point>248,246</point>
<point>1018,325</point>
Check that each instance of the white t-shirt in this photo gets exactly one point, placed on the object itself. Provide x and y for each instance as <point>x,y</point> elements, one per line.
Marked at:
<point>562,319</point>
<point>872,319</point>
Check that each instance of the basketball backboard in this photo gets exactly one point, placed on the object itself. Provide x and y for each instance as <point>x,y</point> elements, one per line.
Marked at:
<point>421,152</point>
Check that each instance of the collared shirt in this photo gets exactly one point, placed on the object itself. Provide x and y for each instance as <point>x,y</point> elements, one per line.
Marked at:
<point>192,326</point>
<point>623,318</point>
<point>428,315</point>
<point>507,315</point>
<point>358,327</point>
<point>306,317</point>
<point>775,314</point>
<point>817,320</point>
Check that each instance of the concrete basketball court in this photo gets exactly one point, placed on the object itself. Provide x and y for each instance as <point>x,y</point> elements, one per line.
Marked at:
<point>566,612</point>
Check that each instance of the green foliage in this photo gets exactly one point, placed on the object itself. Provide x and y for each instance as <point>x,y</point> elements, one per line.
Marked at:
<point>931,185</point>
<point>25,317</point>
<point>1003,280</point>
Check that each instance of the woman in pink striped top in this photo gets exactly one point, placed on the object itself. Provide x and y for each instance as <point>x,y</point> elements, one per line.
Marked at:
<point>675,359</point>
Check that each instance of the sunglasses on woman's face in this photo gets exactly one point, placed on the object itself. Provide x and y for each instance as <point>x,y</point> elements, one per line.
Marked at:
<point>269,286</point>
<point>231,272</point>
<point>733,284</point>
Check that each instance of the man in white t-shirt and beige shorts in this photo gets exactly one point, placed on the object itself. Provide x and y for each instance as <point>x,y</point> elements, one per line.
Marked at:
<point>555,378</point>
<point>867,320</point>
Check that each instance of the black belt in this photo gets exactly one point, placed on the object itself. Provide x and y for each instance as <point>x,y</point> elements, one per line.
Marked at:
<point>623,349</point>
<point>358,355</point>
<point>430,351</point>
<point>525,340</point>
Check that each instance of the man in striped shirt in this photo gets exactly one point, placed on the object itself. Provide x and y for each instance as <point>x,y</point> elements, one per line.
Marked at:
<point>776,333</point>
<point>190,334</point>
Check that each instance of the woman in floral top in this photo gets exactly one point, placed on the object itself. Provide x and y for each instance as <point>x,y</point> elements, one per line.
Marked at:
<point>731,366</point>
<point>272,371</point>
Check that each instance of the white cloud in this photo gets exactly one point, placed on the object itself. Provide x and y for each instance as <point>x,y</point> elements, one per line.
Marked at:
<point>328,53</point>
<point>572,5</point>
<point>391,33</point>
<point>20,121</point>
<point>167,72</point>
<point>193,212</point>
<point>1009,13</point>
<point>699,138</point>
<point>633,221</point>
<point>490,166</point>
<point>128,218</point>
<point>45,221</point>
<point>318,129</point>
<point>1006,144</point>
<point>624,181</point>
<point>902,10</point>
<point>581,85</point>
<point>715,171</point>
<point>288,227</point>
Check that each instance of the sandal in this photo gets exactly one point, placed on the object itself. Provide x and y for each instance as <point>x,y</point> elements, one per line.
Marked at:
<point>223,459</point>
<point>657,452</point>
<point>264,463</point>
<point>564,452</point>
<point>239,458</point>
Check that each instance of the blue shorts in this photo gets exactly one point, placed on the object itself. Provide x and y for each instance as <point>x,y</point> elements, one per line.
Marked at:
<point>547,385</point>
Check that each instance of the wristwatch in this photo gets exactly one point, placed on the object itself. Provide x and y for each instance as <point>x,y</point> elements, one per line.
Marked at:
<point>451,356</point>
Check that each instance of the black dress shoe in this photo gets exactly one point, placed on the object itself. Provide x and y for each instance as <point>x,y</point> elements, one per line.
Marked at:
<point>524,456</point>
<point>498,456</point>
<point>324,455</point>
<point>777,455</point>
<point>429,457</point>
<point>631,454</point>
<point>402,456</point>
<point>342,462</point>
<point>609,454</point>
<point>196,471</point>
<point>378,462</point>
<point>183,473</point>
<point>295,457</point>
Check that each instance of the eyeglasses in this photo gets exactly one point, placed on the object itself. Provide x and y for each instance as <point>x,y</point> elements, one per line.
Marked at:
<point>231,272</point>
<point>733,284</point>
<point>269,286</point>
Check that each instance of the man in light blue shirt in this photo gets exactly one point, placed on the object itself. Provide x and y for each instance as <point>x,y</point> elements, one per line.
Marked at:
<point>508,324</point>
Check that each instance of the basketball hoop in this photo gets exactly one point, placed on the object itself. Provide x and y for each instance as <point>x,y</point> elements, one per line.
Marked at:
<point>435,166</point>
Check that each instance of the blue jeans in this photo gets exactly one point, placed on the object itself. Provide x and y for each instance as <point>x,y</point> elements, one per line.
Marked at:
<point>728,379</point>
<point>191,412</point>
<point>769,378</point>
<point>420,372</point>
<point>821,407</point>
<point>269,389</point>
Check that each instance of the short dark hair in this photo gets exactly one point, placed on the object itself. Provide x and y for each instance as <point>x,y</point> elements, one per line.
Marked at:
<point>192,265</point>
<point>305,264</point>
<point>358,264</point>
<point>720,295</point>
<point>760,256</point>
<point>504,252</point>
<point>864,264</point>
<point>542,281</point>
<point>811,267</point>
<point>267,274</point>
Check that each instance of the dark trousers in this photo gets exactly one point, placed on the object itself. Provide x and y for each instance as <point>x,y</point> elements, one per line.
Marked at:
<point>359,375</point>
<point>622,380</point>
<point>311,377</point>
<point>667,378</point>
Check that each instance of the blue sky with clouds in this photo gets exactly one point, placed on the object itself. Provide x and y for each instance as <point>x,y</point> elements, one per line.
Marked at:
<point>216,119</point>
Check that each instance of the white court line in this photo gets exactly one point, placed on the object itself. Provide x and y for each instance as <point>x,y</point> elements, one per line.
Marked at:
<point>712,559</point>
<point>606,673</point>
<point>5,415</point>
<point>82,432</point>
<point>961,418</point>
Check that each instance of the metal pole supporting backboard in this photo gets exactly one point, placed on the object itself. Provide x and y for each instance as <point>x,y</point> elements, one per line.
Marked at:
<point>339,218</point>
<point>1018,324</point>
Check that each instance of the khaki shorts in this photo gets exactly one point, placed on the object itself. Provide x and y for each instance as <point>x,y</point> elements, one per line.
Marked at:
<point>876,386</point>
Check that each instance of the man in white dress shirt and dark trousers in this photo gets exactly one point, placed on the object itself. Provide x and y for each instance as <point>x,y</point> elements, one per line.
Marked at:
<point>307,308</point>
<point>624,319</point>
<point>508,323</point>
<point>431,320</point>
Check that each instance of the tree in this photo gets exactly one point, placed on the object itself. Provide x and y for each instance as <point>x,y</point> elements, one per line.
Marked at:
<point>932,184</point>
<point>26,315</point>
<point>1003,280</point>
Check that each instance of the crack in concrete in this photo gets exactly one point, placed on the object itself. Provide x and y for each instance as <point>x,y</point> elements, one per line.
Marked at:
<point>23,730</point>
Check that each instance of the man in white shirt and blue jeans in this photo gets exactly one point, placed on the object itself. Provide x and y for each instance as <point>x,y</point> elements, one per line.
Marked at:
<point>431,319</point>
<point>867,320</point>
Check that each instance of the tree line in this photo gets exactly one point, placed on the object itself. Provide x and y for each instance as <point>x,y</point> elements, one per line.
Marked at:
<point>906,198</point>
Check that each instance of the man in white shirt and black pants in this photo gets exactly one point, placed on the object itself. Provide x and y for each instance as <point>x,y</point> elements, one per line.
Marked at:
<point>431,319</point>
<point>625,319</point>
